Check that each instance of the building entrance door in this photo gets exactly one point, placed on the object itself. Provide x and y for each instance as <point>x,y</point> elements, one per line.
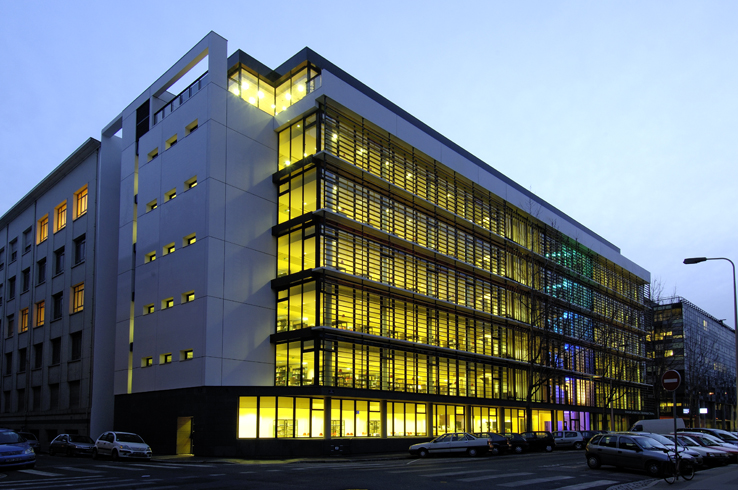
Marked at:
<point>184,435</point>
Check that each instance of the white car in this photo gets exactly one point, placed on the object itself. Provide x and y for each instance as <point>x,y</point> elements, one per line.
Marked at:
<point>456,442</point>
<point>120,445</point>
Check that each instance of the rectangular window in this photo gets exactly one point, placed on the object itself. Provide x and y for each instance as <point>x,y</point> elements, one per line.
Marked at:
<point>189,240</point>
<point>78,298</point>
<point>148,309</point>
<point>54,396</point>
<point>60,216</point>
<point>170,142</point>
<point>167,303</point>
<point>36,398</point>
<point>188,296</point>
<point>25,280</point>
<point>21,400</point>
<point>2,259</point>
<point>11,288</point>
<point>79,249</point>
<point>74,397</point>
<point>169,248</point>
<point>8,363</point>
<point>189,184</point>
<point>170,195</point>
<point>153,154</point>
<point>165,358</point>
<point>22,360</point>
<point>55,351</point>
<point>40,313</point>
<point>10,326</point>
<point>23,326</point>
<point>80,202</point>
<point>151,206</point>
<point>191,127</point>
<point>27,240</point>
<point>41,271</point>
<point>186,355</point>
<point>42,229</point>
<point>13,250</point>
<point>147,361</point>
<point>38,355</point>
<point>57,306</point>
<point>76,346</point>
<point>149,257</point>
<point>59,261</point>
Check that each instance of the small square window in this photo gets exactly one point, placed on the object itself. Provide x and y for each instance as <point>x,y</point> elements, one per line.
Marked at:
<point>150,257</point>
<point>188,296</point>
<point>189,240</point>
<point>169,248</point>
<point>170,195</point>
<point>186,355</point>
<point>170,142</point>
<point>151,206</point>
<point>165,358</point>
<point>148,309</point>
<point>147,361</point>
<point>191,127</point>
<point>167,303</point>
<point>153,154</point>
<point>189,184</point>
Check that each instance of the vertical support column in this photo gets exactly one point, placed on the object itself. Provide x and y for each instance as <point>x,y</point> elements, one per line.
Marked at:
<point>327,418</point>
<point>430,419</point>
<point>383,419</point>
<point>468,418</point>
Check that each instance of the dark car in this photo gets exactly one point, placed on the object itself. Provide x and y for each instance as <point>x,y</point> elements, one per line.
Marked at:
<point>627,451</point>
<point>32,440</point>
<point>518,442</point>
<point>71,445</point>
<point>497,443</point>
<point>540,440</point>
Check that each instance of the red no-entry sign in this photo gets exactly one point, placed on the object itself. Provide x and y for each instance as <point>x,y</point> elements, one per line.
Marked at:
<point>671,380</point>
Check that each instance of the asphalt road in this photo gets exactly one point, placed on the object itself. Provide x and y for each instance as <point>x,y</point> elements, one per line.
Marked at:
<point>564,470</point>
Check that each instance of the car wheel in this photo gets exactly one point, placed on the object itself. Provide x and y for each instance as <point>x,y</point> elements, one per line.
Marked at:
<point>653,468</point>
<point>94,453</point>
<point>518,449</point>
<point>423,453</point>
<point>115,455</point>
<point>593,462</point>
<point>495,451</point>
<point>549,448</point>
<point>578,445</point>
<point>472,452</point>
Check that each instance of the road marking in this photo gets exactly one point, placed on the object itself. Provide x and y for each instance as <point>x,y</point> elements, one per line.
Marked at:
<point>535,480</point>
<point>126,468</point>
<point>40,473</point>
<point>81,470</point>
<point>458,473</point>
<point>156,466</point>
<point>584,486</point>
<point>496,476</point>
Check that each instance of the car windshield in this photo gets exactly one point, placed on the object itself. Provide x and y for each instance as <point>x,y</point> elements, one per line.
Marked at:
<point>10,438</point>
<point>128,438</point>
<point>665,440</point>
<point>648,443</point>
<point>86,439</point>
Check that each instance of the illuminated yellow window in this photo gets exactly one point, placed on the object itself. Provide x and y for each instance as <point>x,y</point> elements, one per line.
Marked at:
<point>188,296</point>
<point>148,309</point>
<point>23,326</point>
<point>189,240</point>
<point>78,298</point>
<point>147,362</point>
<point>80,202</point>
<point>42,229</point>
<point>60,216</point>
<point>40,313</point>
<point>167,303</point>
<point>165,358</point>
<point>669,353</point>
<point>149,257</point>
<point>186,355</point>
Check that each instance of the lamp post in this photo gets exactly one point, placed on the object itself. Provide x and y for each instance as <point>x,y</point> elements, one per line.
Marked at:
<point>697,260</point>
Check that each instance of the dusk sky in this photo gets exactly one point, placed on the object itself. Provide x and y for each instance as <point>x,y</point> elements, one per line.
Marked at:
<point>622,114</point>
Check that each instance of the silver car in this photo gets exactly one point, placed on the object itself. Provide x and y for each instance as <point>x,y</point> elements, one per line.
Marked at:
<point>570,438</point>
<point>638,452</point>
<point>119,445</point>
<point>455,442</point>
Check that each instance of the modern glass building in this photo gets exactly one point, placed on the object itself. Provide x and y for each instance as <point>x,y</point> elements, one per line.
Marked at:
<point>302,266</point>
<point>701,348</point>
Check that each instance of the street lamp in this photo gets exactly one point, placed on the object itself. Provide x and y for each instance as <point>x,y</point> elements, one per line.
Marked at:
<point>697,260</point>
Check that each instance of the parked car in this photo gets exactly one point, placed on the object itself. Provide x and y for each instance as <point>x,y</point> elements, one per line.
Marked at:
<point>540,440</point>
<point>569,438</point>
<point>496,443</point>
<point>669,443</point>
<point>707,440</point>
<point>32,440</point>
<point>638,452</point>
<point>710,457</point>
<point>518,442</point>
<point>71,445</point>
<point>453,442</point>
<point>15,451</point>
<point>723,435</point>
<point>119,445</point>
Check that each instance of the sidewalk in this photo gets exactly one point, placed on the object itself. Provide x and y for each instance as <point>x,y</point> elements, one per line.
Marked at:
<point>189,459</point>
<point>724,478</point>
